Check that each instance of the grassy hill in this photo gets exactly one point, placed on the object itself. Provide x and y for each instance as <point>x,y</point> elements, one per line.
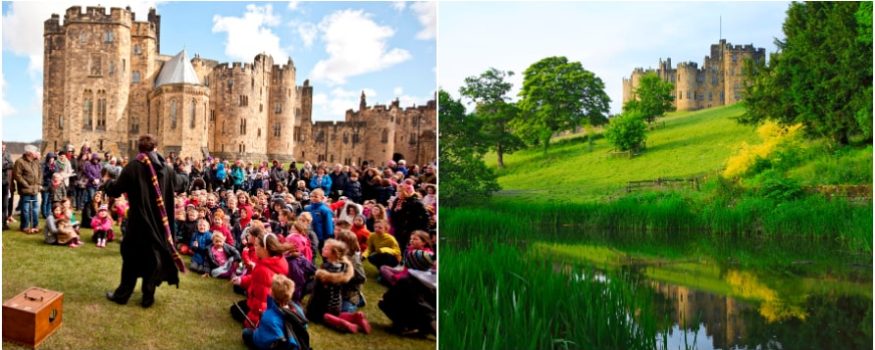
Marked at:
<point>689,143</point>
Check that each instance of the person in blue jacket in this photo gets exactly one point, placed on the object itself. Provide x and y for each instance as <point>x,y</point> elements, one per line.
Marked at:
<point>237,175</point>
<point>323,218</point>
<point>271,330</point>
<point>321,181</point>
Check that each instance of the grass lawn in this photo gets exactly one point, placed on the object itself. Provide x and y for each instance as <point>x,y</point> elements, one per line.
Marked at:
<point>195,316</point>
<point>690,143</point>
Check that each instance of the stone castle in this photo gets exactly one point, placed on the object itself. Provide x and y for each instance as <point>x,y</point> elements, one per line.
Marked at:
<point>719,82</point>
<point>105,82</point>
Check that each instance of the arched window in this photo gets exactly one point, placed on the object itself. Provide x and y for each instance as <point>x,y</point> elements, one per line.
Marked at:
<point>101,110</point>
<point>385,137</point>
<point>87,110</point>
<point>172,114</point>
<point>192,113</point>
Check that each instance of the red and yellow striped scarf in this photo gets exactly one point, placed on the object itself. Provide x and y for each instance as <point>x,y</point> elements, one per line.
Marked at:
<point>180,265</point>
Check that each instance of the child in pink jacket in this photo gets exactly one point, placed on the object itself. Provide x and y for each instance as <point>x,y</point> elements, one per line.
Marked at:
<point>102,225</point>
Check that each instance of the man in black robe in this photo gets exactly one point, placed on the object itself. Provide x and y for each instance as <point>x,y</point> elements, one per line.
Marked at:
<point>146,253</point>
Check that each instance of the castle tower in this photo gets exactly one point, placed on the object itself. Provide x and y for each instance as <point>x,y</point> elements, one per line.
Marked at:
<point>282,109</point>
<point>142,70</point>
<point>56,128</point>
<point>685,91</point>
<point>240,97</point>
<point>96,85</point>
<point>177,104</point>
<point>733,72</point>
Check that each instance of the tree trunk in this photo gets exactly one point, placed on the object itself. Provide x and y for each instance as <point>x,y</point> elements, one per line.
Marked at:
<point>500,152</point>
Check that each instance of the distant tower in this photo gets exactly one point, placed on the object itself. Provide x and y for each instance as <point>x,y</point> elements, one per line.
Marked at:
<point>363,104</point>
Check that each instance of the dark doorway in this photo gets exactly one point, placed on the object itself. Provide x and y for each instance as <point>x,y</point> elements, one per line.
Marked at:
<point>397,156</point>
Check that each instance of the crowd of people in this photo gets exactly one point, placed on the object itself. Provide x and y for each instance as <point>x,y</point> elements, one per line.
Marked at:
<point>285,236</point>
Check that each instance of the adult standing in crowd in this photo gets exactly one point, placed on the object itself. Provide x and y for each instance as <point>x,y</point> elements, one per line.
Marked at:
<point>7,187</point>
<point>91,172</point>
<point>408,214</point>
<point>27,179</point>
<point>50,166</point>
<point>277,175</point>
<point>339,180</point>
<point>147,250</point>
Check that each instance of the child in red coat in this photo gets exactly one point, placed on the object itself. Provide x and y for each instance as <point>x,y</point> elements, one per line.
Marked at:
<point>258,283</point>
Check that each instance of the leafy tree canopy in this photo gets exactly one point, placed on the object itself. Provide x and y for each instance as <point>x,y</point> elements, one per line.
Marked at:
<point>489,93</point>
<point>652,97</point>
<point>558,95</point>
<point>822,75</point>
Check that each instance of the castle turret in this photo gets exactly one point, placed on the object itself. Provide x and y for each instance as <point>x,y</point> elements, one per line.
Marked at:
<point>56,131</point>
<point>240,96</point>
<point>178,104</point>
<point>686,86</point>
<point>281,117</point>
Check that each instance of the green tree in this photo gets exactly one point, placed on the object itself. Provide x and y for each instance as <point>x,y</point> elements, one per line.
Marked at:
<point>558,95</point>
<point>489,91</point>
<point>652,97</point>
<point>464,176</point>
<point>626,131</point>
<point>822,74</point>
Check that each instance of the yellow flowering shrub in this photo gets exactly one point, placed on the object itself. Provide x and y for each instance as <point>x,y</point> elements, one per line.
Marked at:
<point>773,136</point>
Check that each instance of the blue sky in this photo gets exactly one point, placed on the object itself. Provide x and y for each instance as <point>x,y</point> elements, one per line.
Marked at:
<point>608,38</point>
<point>387,49</point>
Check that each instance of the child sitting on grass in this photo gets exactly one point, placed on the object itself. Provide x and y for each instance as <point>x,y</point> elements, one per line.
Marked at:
<point>223,258</point>
<point>272,332</point>
<point>352,290</point>
<point>200,247</point>
<point>102,226</point>
<point>382,247</point>
<point>58,229</point>
<point>327,299</point>
<point>418,256</point>
<point>258,283</point>
<point>187,229</point>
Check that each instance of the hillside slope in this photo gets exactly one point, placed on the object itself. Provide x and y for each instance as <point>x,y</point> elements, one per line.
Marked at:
<point>690,143</point>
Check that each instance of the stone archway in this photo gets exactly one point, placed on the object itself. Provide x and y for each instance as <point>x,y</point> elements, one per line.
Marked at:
<point>397,156</point>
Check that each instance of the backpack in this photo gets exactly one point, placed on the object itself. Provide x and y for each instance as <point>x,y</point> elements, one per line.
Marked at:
<point>295,327</point>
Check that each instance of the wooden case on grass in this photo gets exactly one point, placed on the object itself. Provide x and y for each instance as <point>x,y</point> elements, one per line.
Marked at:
<point>30,317</point>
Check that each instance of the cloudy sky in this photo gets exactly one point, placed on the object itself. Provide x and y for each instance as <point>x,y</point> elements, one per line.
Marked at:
<point>608,38</point>
<point>386,49</point>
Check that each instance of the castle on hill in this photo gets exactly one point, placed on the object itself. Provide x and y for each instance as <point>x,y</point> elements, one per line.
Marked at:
<point>718,82</point>
<point>104,81</point>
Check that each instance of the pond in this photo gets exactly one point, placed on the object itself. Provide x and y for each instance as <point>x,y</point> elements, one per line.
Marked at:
<point>712,293</point>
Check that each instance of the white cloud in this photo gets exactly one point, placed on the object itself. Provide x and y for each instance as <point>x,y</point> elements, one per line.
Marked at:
<point>399,5</point>
<point>23,24</point>
<point>333,106</point>
<point>5,108</point>
<point>355,45</point>
<point>426,13</point>
<point>308,32</point>
<point>250,34</point>
<point>293,5</point>
<point>398,91</point>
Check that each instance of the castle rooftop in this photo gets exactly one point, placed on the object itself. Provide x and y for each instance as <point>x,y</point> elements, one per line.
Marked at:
<point>177,70</point>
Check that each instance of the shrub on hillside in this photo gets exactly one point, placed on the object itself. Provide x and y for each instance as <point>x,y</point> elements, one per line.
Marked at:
<point>759,157</point>
<point>626,131</point>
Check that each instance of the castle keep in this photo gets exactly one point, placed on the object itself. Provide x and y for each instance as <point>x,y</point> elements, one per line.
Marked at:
<point>104,81</point>
<point>718,82</point>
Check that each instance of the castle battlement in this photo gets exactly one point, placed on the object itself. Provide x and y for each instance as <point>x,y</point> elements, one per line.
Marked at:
<point>146,29</point>
<point>97,14</point>
<point>53,25</point>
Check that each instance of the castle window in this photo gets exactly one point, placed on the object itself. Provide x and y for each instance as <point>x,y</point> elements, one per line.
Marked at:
<point>412,138</point>
<point>320,137</point>
<point>297,135</point>
<point>135,123</point>
<point>355,138</point>
<point>680,95</point>
<point>107,37</point>
<point>135,77</point>
<point>124,65</point>
<point>261,107</point>
<point>259,132</point>
<point>278,108</point>
<point>385,137</point>
<point>709,96</point>
<point>111,68</point>
<point>212,115</point>
<point>332,159</point>
<point>172,114</point>
<point>253,82</point>
<point>101,110</point>
<point>230,85</point>
<point>61,122</point>
<point>95,65</point>
<point>100,144</point>
<point>277,129</point>
<point>242,126</point>
<point>205,116</point>
<point>345,138</point>
<point>137,50</point>
<point>244,100</point>
<point>193,110</point>
<point>83,37</point>
<point>87,110</point>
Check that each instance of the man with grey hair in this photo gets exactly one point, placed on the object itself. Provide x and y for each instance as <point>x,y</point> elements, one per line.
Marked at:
<point>28,178</point>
